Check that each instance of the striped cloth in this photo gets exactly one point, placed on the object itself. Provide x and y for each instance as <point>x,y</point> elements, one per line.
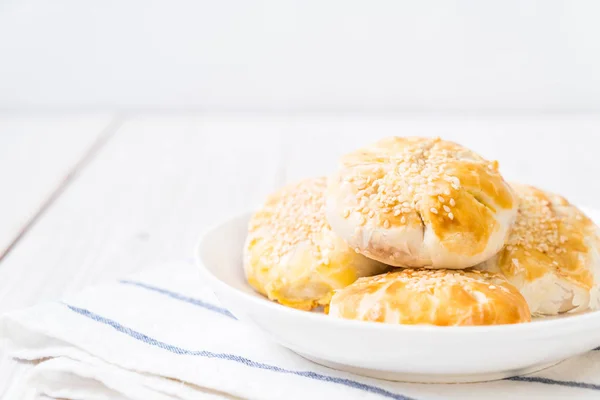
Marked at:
<point>163,335</point>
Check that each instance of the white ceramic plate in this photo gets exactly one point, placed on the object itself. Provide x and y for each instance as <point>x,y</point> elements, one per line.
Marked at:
<point>415,353</point>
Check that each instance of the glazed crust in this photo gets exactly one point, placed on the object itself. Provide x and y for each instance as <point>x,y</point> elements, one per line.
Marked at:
<point>552,254</point>
<point>291,254</point>
<point>440,297</point>
<point>420,202</point>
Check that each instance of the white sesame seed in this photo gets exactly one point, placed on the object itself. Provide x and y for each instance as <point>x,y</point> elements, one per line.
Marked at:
<point>433,210</point>
<point>451,216</point>
<point>441,199</point>
<point>563,239</point>
<point>386,224</point>
<point>446,208</point>
<point>452,202</point>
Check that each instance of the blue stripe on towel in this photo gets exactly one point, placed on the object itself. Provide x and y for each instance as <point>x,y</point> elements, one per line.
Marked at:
<point>232,357</point>
<point>581,385</point>
<point>177,296</point>
<point>226,312</point>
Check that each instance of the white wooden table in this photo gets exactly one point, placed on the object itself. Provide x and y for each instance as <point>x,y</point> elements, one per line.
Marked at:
<point>89,198</point>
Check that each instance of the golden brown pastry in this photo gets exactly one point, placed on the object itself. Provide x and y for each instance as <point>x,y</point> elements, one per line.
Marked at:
<point>420,202</point>
<point>292,256</point>
<point>552,254</point>
<point>434,297</point>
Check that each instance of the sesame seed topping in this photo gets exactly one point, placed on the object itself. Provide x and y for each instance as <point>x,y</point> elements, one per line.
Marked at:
<point>546,223</point>
<point>403,219</point>
<point>406,174</point>
<point>426,280</point>
<point>386,224</point>
<point>294,214</point>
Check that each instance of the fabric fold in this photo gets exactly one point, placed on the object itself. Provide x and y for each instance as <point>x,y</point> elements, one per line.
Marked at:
<point>163,335</point>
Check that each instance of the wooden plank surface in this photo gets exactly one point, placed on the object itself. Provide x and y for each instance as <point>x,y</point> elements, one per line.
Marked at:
<point>145,198</point>
<point>159,182</point>
<point>36,155</point>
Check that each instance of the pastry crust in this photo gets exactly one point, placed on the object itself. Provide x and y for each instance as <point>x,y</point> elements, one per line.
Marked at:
<point>552,254</point>
<point>291,254</point>
<point>434,297</point>
<point>420,202</point>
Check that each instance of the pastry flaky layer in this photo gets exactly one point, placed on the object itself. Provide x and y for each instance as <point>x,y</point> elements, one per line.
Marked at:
<point>420,202</point>
<point>552,254</point>
<point>291,254</point>
<point>433,297</point>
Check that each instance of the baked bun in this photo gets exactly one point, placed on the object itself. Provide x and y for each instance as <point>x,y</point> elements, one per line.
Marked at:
<point>433,297</point>
<point>420,202</point>
<point>292,256</point>
<point>552,254</point>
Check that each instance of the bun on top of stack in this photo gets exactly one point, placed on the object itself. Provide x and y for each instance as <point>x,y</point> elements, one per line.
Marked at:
<point>418,202</point>
<point>442,214</point>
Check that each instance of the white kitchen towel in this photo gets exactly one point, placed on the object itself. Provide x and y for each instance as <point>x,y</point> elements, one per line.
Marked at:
<point>162,335</point>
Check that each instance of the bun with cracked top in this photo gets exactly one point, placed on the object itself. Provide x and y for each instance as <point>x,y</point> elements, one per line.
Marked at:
<point>420,202</point>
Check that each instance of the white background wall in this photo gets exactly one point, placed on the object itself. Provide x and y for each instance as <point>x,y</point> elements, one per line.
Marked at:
<point>490,56</point>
